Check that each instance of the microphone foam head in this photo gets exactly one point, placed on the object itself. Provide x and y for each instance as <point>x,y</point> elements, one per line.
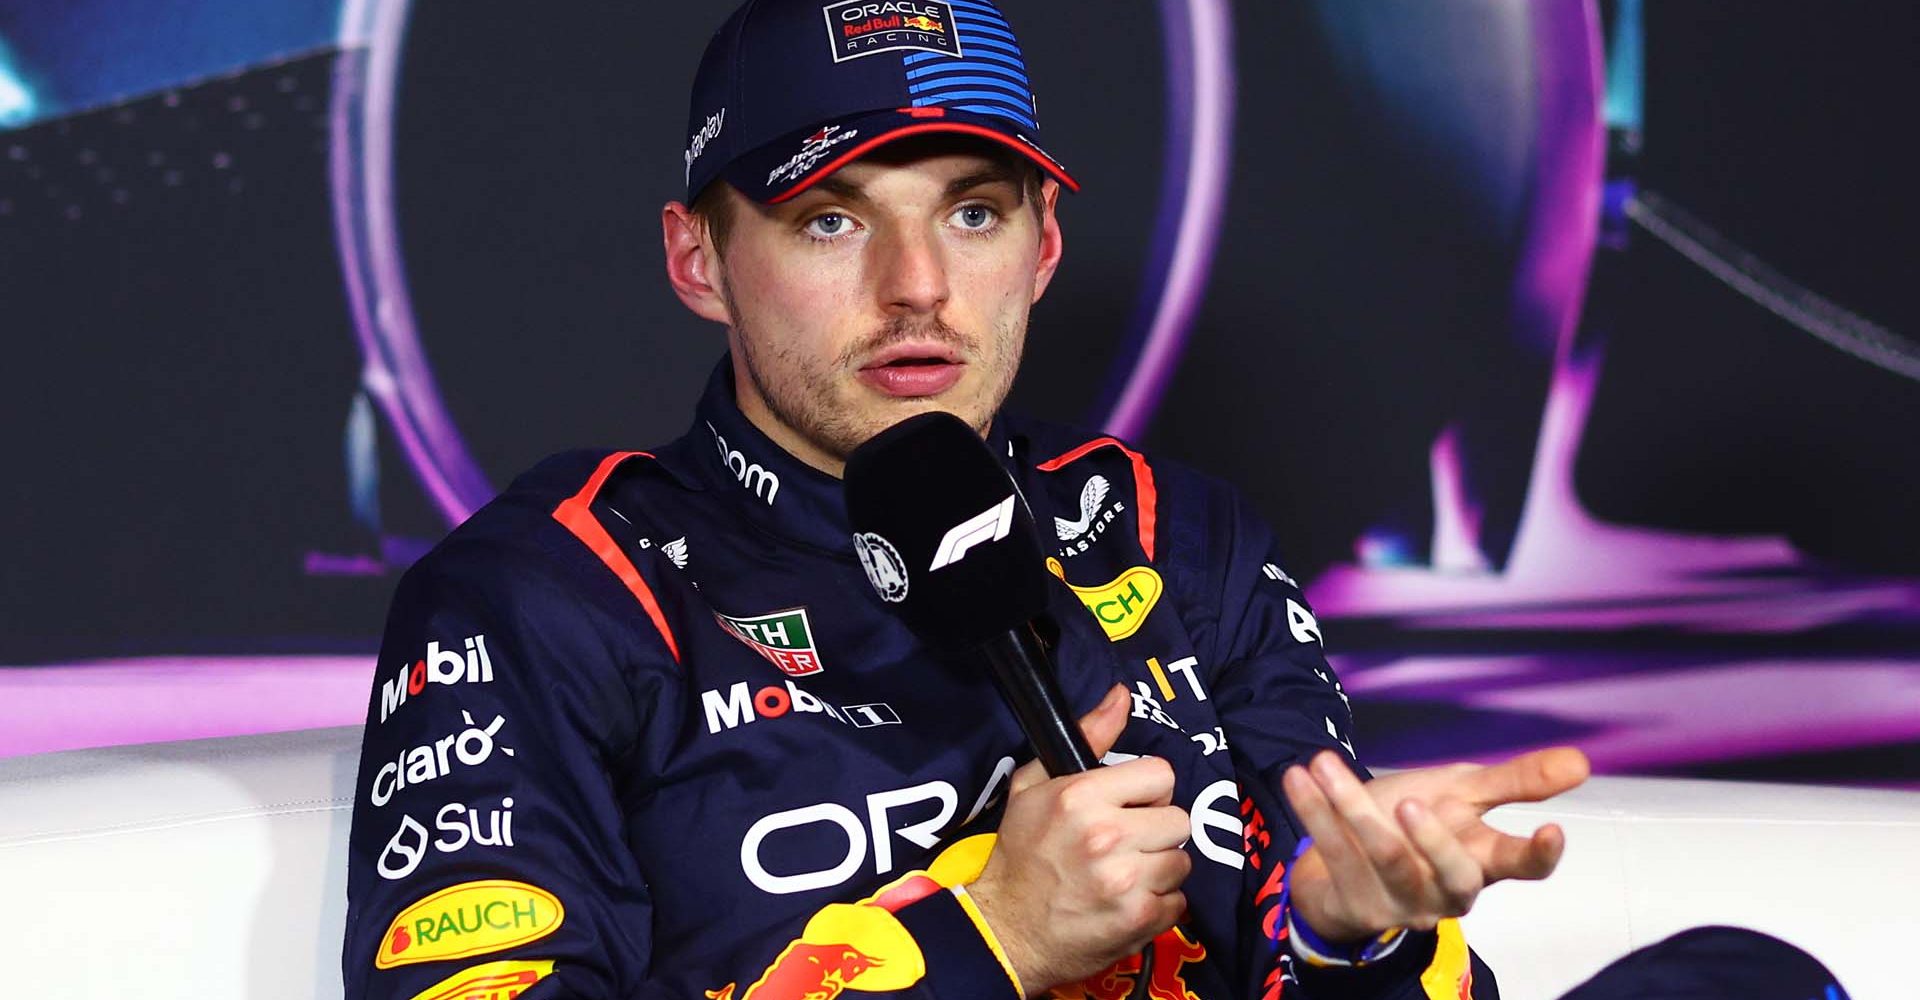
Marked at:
<point>946,539</point>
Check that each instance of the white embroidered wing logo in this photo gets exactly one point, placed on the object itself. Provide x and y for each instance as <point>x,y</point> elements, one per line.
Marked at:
<point>676,550</point>
<point>1092,496</point>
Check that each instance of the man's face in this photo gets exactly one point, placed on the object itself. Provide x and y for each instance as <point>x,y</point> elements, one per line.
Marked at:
<point>898,285</point>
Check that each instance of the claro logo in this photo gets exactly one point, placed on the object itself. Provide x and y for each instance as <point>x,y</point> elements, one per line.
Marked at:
<point>471,747</point>
<point>752,477</point>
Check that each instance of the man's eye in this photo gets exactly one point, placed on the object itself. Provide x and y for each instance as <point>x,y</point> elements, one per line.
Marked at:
<point>829,225</point>
<point>975,217</point>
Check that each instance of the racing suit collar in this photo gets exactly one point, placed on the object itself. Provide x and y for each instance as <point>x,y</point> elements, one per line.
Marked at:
<point>763,481</point>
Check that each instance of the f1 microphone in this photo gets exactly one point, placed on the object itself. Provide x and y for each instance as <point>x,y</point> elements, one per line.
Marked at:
<point>949,544</point>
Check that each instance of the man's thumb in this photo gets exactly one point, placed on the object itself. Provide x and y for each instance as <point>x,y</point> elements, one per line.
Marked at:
<point>1102,726</point>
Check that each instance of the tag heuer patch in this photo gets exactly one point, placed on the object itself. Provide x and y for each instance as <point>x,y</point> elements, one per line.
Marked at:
<point>865,27</point>
<point>785,638</point>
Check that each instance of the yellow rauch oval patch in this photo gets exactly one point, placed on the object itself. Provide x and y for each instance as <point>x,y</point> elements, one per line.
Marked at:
<point>472,918</point>
<point>492,981</point>
<point>1120,607</point>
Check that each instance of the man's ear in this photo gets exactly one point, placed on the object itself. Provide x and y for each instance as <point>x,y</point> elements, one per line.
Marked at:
<point>1051,243</point>
<point>693,263</point>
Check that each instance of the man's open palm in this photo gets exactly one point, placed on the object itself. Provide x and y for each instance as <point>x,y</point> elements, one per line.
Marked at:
<point>1413,848</point>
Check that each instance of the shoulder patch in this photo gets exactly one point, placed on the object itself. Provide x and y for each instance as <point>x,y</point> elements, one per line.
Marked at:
<point>1146,499</point>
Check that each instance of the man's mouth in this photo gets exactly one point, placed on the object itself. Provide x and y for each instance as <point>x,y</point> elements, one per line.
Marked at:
<point>909,371</point>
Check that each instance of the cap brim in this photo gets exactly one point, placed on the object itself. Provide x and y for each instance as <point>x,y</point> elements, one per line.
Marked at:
<point>784,168</point>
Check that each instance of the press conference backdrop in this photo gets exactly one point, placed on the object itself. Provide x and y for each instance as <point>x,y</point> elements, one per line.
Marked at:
<point>1569,345</point>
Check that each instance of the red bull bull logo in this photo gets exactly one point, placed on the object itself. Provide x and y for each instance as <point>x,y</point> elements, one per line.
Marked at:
<point>925,24</point>
<point>859,946</point>
<point>1172,950</point>
<point>808,972</point>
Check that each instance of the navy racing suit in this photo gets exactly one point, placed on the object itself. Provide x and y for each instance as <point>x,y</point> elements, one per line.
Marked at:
<point>641,728</point>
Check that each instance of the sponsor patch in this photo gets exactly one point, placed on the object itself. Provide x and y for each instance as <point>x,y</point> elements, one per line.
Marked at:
<point>492,981</point>
<point>469,747</point>
<point>447,665</point>
<point>785,638</point>
<point>1096,516</point>
<point>676,550</point>
<point>813,149</point>
<point>458,824</point>
<point>1122,605</point>
<point>697,143</point>
<point>737,706</point>
<point>1092,495</point>
<point>885,569</point>
<point>472,918</point>
<point>858,28</point>
<point>752,476</point>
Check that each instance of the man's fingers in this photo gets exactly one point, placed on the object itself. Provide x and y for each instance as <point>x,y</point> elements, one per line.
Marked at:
<point>1160,829</point>
<point>1346,862</point>
<point>1503,856</point>
<point>1146,781</point>
<point>1026,776</point>
<point>1456,873</point>
<point>1389,853</point>
<point>1165,871</point>
<point>1531,777</point>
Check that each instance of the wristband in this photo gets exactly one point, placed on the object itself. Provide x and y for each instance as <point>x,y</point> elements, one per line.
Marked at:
<point>1310,947</point>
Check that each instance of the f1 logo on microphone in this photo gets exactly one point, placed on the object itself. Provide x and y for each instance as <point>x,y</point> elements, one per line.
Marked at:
<point>989,525</point>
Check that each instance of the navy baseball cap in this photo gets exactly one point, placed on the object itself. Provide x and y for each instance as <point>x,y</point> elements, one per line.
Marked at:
<point>791,90</point>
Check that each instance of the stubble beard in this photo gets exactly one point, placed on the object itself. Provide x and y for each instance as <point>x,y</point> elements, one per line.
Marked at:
<point>812,400</point>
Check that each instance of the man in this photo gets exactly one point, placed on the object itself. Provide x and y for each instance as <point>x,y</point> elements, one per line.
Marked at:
<point>643,729</point>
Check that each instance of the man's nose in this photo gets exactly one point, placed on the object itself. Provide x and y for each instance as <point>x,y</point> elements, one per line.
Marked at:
<point>912,271</point>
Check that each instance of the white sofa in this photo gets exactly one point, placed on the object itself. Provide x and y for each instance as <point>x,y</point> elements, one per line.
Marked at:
<point>214,869</point>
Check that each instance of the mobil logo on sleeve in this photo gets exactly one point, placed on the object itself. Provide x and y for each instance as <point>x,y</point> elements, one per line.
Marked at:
<point>441,665</point>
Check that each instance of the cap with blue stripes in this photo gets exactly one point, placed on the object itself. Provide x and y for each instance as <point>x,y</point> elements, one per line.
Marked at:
<point>791,90</point>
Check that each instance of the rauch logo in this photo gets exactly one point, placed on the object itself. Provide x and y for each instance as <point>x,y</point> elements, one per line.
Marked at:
<point>1121,606</point>
<point>472,918</point>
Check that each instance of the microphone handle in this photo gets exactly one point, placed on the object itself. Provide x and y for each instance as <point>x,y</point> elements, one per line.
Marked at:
<point>1024,674</point>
